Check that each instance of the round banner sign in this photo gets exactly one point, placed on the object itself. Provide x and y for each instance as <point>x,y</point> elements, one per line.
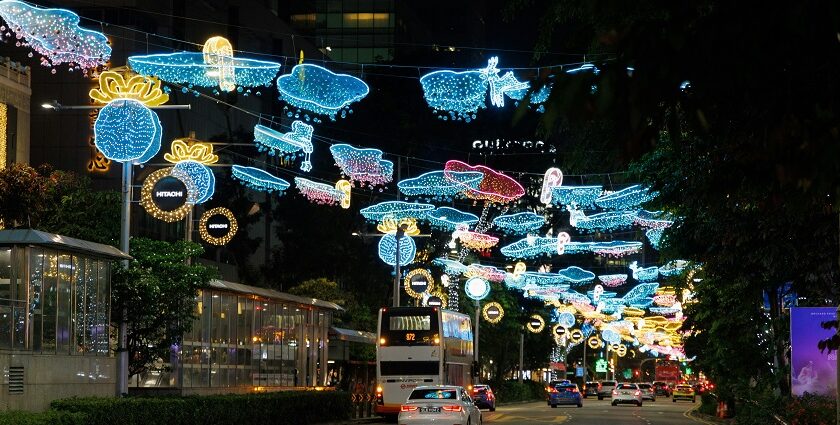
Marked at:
<point>417,282</point>
<point>169,193</point>
<point>493,312</point>
<point>217,226</point>
<point>166,197</point>
<point>434,301</point>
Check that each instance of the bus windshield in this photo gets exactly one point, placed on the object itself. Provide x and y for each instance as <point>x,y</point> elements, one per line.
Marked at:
<point>409,326</point>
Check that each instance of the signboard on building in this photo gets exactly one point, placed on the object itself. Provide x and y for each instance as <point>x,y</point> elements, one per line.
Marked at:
<point>668,371</point>
<point>601,366</point>
<point>812,371</point>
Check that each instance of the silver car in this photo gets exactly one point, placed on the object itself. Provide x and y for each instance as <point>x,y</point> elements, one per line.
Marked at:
<point>648,393</point>
<point>627,393</point>
<point>434,404</point>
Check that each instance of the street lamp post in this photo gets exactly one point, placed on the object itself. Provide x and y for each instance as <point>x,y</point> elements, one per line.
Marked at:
<point>125,228</point>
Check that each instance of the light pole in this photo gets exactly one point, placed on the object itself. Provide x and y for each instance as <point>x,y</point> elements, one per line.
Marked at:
<point>125,229</point>
<point>400,233</point>
<point>521,353</point>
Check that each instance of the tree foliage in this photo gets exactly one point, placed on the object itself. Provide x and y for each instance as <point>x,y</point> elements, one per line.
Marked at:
<point>158,291</point>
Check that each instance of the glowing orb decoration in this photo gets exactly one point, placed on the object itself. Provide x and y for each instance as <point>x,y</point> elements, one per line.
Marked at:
<point>395,210</point>
<point>616,249</point>
<point>576,197</point>
<point>320,91</point>
<point>257,179</point>
<point>388,250</point>
<point>215,66</point>
<point>435,185</point>
<point>364,166</point>
<point>492,312</point>
<point>553,178</point>
<point>474,240</point>
<point>654,236</point>
<point>202,178</point>
<point>450,267</point>
<point>286,144</point>
<point>166,197</point>
<point>613,280</point>
<point>116,85</point>
<point>535,324</point>
<point>519,223</point>
<point>488,273</point>
<point>495,187</point>
<point>127,131</point>
<point>324,194</point>
<point>417,282</point>
<point>459,95</point>
<point>601,222</point>
<point>55,34</point>
<point>629,197</point>
<point>477,288</point>
<point>645,274</point>
<point>446,218</point>
<point>566,319</point>
<point>217,226</point>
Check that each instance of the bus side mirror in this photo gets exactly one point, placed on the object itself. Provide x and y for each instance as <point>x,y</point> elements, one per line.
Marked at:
<point>475,368</point>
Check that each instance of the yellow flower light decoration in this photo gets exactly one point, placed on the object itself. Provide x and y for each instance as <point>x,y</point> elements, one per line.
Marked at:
<point>202,226</point>
<point>538,328</point>
<point>114,85</point>
<point>417,272</point>
<point>487,317</point>
<point>189,149</point>
<point>389,226</point>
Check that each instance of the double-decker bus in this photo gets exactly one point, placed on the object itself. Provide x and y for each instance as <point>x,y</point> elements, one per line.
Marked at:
<point>420,346</point>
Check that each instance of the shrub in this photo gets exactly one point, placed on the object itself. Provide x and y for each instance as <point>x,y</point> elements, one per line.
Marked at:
<point>810,409</point>
<point>708,404</point>
<point>508,391</point>
<point>45,418</point>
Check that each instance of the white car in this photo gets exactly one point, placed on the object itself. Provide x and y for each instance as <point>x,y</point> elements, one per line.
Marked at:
<point>648,392</point>
<point>627,393</point>
<point>439,404</point>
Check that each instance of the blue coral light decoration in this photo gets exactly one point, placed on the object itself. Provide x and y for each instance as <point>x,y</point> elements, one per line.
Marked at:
<point>127,131</point>
<point>257,179</point>
<point>519,223</point>
<point>286,144</point>
<point>447,218</point>
<point>440,185</point>
<point>363,166</point>
<point>576,197</point>
<point>319,91</point>
<point>388,250</point>
<point>396,210</point>
<point>191,158</point>
<point>55,34</point>
<point>201,176</point>
<point>214,67</point>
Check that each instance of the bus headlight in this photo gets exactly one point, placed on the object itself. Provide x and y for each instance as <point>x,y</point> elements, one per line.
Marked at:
<point>381,341</point>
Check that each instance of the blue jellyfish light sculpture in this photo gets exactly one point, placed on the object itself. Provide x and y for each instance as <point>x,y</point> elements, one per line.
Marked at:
<point>616,248</point>
<point>201,176</point>
<point>576,197</point>
<point>603,222</point>
<point>434,185</point>
<point>450,267</point>
<point>629,197</point>
<point>257,179</point>
<point>396,210</point>
<point>388,250</point>
<point>576,275</point>
<point>127,131</point>
<point>519,223</point>
<point>654,236</point>
<point>448,219</point>
<point>364,166</point>
<point>286,144</point>
<point>646,274</point>
<point>55,34</point>
<point>319,91</point>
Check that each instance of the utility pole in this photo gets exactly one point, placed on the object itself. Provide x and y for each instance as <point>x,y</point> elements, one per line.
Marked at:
<point>521,354</point>
<point>477,307</point>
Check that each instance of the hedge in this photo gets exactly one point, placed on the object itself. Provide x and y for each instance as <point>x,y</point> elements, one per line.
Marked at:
<point>287,407</point>
<point>45,418</point>
<point>528,390</point>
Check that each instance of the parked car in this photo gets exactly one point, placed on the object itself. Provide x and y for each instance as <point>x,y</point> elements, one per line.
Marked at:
<point>483,397</point>
<point>565,394</point>
<point>647,391</point>
<point>683,392</point>
<point>605,389</point>
<point>439,404</point>
<point>662,388</point>
<point>627,393</point>
<point>591,388</point>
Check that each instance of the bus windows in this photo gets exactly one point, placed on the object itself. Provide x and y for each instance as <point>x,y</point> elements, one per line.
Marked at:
<point>409,328</point>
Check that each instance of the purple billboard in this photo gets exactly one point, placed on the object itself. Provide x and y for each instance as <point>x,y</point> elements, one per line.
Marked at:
<point>812,371</point>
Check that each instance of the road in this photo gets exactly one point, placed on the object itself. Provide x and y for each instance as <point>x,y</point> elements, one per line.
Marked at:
<point>594,412</point>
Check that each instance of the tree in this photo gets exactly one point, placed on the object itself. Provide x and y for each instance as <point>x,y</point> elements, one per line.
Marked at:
<point>158,289</point>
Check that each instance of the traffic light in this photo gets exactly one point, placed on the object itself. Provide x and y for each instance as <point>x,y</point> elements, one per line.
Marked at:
<point>636,373</point>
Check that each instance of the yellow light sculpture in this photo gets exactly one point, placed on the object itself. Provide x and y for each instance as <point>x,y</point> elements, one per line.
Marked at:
<point>518,269</point>
<point>536,329</point>
<point>389,226</point>
<point>115,85</point>
<point>487,317</point>
<point>417,272</point>
<point>149,204</point>
<point>202,226</point>
<point>218,52</point>
<point>344,187</point>
<point>189,149</point>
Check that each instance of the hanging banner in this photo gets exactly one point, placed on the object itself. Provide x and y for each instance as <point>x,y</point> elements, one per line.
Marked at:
<point>812,371</point>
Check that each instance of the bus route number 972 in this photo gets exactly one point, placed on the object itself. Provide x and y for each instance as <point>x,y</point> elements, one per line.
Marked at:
<point>410,336</point>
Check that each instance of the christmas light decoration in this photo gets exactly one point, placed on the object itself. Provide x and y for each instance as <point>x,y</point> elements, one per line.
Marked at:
<point>640,293</point>
<point>576,275</point>
<point>317,90</point>
<point>654,236</point>
<point>559,330</point>
<point>673,267</point>
<point>324,194</point>
<point>594,342</point>
<point>396,210</point>
<point>149,205</point>
<point>459,95</point>
<point>288,144</point>
<point>535,324</point>
<point>653,219</point>
<point>497,307</point>
<point>364,166</point>
<point>388,250</point>
<point>488,273</point>
<point>553,178</point>
<point>116,85</point>
<point>495,187</point>
<point>446,218</point>
<point>613,280</point>
<point>474,240</point>
<point>202,179</point>
<point>530,247</point>
<point>202,226</point>
<point>576,197</point>
<point>601,222</point>
<point>477,288</point>
<point>127,131</point>
<point>646,274</point>
<point>188,149</point>
<point>55,34</point>
<point>519,223</point>
<point>435,185</point>
<point>616,249</point>
<point>215,66</point>
<point>257,179</point>
<point>450,267</point>
<point>629,197</point>
<point>390,225</point>
<point>410,275</point>
<point>543,278</point>
<point>566,319</point>
<point>518,269</point>
<point>665,300</point>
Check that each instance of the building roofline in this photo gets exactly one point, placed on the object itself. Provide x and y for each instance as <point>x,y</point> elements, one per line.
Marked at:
<point>271,293</point>
<point>52,240</point>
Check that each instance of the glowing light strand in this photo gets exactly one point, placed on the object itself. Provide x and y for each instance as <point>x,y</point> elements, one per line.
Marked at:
<point>317,90</point>
<point>257,179</point>
<point>363,166</point>
<point>520,223</point>
<point>324,194</point>
<point>287,144</point>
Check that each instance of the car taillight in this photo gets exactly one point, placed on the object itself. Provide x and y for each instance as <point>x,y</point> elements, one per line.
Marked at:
<point>475,390</point>
<point>408,408</point>
<point>452,408</point>
<point>615,391</point>
<point>638,393</point>
<point>574,390</point>
<point>553,390</point>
